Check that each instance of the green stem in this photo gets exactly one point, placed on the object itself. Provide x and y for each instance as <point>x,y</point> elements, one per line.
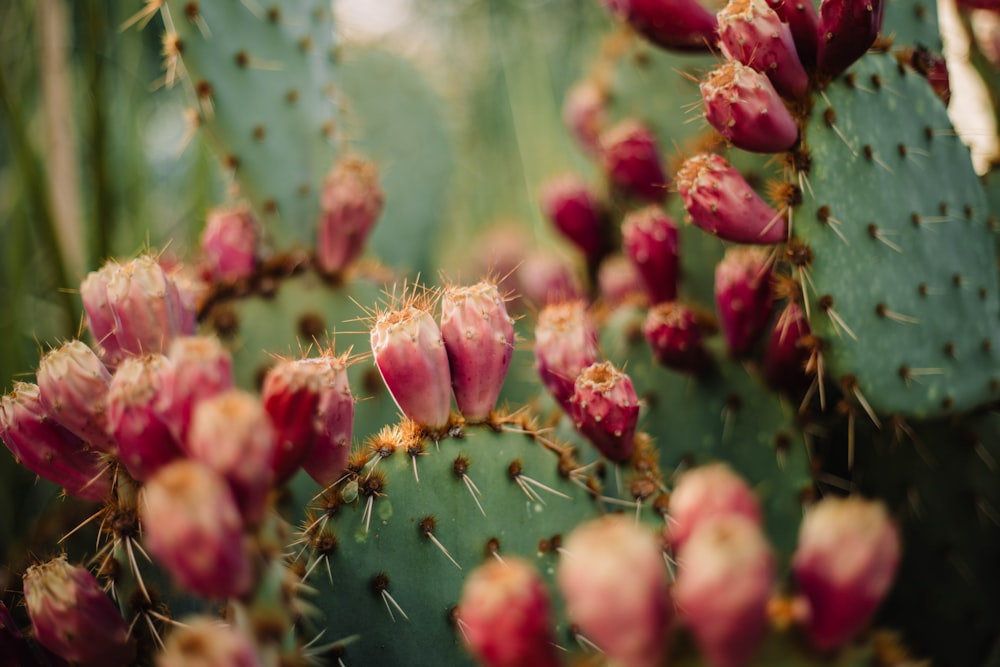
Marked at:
<point>96,21</point>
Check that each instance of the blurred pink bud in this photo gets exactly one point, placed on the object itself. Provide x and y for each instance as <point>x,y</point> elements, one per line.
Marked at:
<point>100,319</point>
<point>583,112</point>
<point>677,25</point>
<point>620,282</point>
<point>630,156</point>
<point>743,296</point>
<point>565,344</point>
<point>674,334</point>
<point>327,458</point>
<point>605,409</point>
<point>544,277</point>
<point>198,367</point>
<point>351,202</point>
<point>208,642</point>
<point>753,33</point>
<point>650,239</point>
<point>229,243</point>
<point>743,106</point>
<point>847,29</point>
<point>705,492</point>
<point>568,202</point>
<point>786,355</point>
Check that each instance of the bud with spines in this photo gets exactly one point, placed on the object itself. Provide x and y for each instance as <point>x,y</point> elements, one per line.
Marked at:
<point>674,334</point>
<point>721,202</point>
<point>651,240</point>
<point>73,382</point>
<point>786,355</point>
<point>583,113</point>
<point>743,297</point>
<point>478,336</point>
<point>505,616</point>
<point>198,367</point>
<point>351,202</point>
<point>677,25</point>
<point>229,243</point>
<point>705,492</point>
<point>565,344</point>
<point>803,20</point>
<point>743,106</point>
<point>326,459</point>
<point>605,409</point>
<point>847,29</point>
<point>630,156</point>
<point>845,563</point>
<point>74,618</point>
<point>100,319</point>
<point>192,525</point>
<point>752,33</point>
<point>568,202</point>
<point>49,450</point>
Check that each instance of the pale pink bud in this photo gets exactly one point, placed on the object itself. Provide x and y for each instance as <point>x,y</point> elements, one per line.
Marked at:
<point>678,25</point>
<point>742,105</point>
<point>73,382</point>
<point>847,28</point>
<point>192,526</point>
<point>583,112</point>
<point>233,435</point>
<point>674,334</point>
<point>605,409</point>
<point>613,578</point>
<point>630,157</point>
<point>351,202</point>
<point>565,344</point>
<point>725,574</point>
<point>193,290</point>
<point>478,336</point>
<point>545,277</point>
<point>326,459</point>
<point>147,307</point>
<point>47,449</point>
<point>619,281</point>
<point>505,616</point>
<point>229,243</point>
<point>721,202</point>
<point>786,355</point>
<point>410,354</point>
<point>74,618</point>
<point>199,367</point>
<point>803,20</point>
<point>705,492</point>
<point>743,296</point>
<point>208,642</point>
<point>650,239</point>
<point>145,442</point>
<point>844,565</point>
<point>752,33</point>
<point>568,202</point>
<point>100,319</point>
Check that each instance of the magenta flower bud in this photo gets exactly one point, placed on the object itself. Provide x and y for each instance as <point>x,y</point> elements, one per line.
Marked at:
<point>74,618</point>
<point>721,202</point>
<point>742,105</point>
<point>674,335</point>
<point>351,202</point>
<point>584,111</point>
<point>147,307</point>
<point>229,243</point>
<point>703,493</point>
<point>605,409</point>
<point>613,578</point>
<point>192,526</point>
<point>845,563</point>
<point>410,354</point>
<point>47,449</point>
<point>752,33</point>
<point>565,344</point>
<point>847,29</point>
<point>725,575</point>
<point>199,367</point>
<point>786,355</point>
<point>208,642</point>
<point>505,616</point>
<point>568,202</point>
<point>630,157</point>
<point>803,20</point>
<point>73,383</point>
<point>619,281</point>
<point>478,336</point>
<point>233,435</point>
<point>650,239</point>
<point>100,319</point>
<point>291,395</point>
<point>743,296</point>
<point>145,442</point>
<point>326,460</point>
<point>677,25</point>
<point>545,277</point>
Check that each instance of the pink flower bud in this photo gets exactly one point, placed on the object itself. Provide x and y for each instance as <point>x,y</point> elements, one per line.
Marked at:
<point>326,460</point>
<point>568,202</point>
<point>199,367</point>
<point>619,281</point>
<point>73,383</point>
<point>678,25</point>
<point>803,20</point>
<point>704,492</point>
<point>74,618</point>
<point>743,296</point>
<point>233,435</point>
<point>847,28</point>
<point>191,524</point>
<point>229,243</point>
<point>147,307</point>
<point>742,105</point>
<point>786,355</point>
<point>207,642</point>
<point>674,334</point>
<point>630,157</point>
<point>565,344</point>
<point>721,202</point>
<point>613,578</point>
<point>752,33</point>
<point>650,239</point>
<point>410,354</point>
<point>725,575</point>
<point>545,277</point>
<point>47,449</point>
<point>583,112</point>
<point>605,409</point>
<point>505,616</point>
<point>844,565</point>
<point>192,289</point>
<point>100,319</point>
<point>351,202</point>
<point>145,442</point>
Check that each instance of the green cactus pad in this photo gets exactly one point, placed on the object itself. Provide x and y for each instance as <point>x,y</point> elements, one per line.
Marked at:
<point>901,273</point>
<point>912,23</point>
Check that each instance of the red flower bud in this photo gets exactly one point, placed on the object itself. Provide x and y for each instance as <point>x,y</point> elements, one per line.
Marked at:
<point>351,203</point>
<point>605,409</point>
<point>565,344</point>
<point>743,106</point>
<point>752,33</point>
<point>650,239</point>
<point>630,157</point>
<point>678,25</point>
<point>743,296</point>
